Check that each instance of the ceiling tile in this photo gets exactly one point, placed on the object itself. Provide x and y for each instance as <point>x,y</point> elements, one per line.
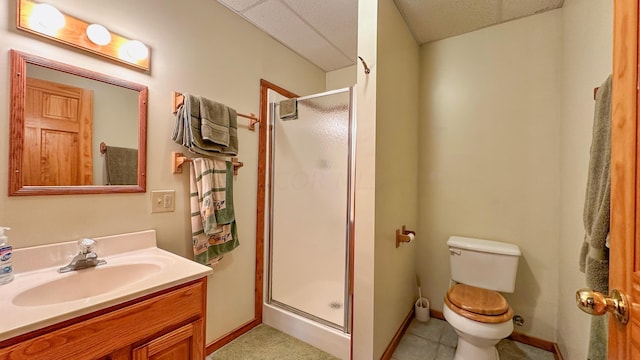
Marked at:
<point>280,22</point>
<point>325,31</point>
<point>336,20</point>
<point>513,9</point>
<point>438,19</point>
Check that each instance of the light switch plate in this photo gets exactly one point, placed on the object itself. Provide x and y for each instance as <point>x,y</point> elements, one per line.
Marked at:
<point>163,200</point>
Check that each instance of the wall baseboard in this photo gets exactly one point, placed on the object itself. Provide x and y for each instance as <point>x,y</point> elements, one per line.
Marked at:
<point>556,352</point>
<point>234,334</point>
<point>516,336</point>
<point>398,336</point>
<point>521,338</point>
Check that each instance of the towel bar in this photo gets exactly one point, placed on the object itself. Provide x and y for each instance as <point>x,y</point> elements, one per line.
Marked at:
<point>178,99</point>
<point>178,158</point>
<point>403,236</point>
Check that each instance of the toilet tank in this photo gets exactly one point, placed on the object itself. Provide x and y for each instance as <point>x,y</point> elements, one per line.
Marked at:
<point>482,263</point>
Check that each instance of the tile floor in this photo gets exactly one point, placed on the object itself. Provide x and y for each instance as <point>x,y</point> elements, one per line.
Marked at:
<point>433,340</point>
<point>436,340</point>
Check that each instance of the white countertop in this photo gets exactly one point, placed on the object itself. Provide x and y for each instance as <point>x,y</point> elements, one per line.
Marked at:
<point>37,266</point>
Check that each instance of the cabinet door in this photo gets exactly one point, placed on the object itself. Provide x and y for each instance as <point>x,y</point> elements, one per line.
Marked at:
<point>183,343</point>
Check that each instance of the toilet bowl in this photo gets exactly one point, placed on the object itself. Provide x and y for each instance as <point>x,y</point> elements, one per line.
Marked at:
<point>473,306</point>
<point>481,318</point>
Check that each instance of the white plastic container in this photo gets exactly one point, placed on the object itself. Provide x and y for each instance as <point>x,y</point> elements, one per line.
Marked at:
<point>422,310</point>
<point>6,250</point>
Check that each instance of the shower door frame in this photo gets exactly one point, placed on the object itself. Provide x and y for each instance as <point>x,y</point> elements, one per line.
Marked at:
<point>350,215</point>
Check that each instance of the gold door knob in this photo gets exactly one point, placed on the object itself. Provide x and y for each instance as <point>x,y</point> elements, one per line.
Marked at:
<point>595,303</point>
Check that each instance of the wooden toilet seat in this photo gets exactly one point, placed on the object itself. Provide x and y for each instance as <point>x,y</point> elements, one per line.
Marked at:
<point>478,304</point>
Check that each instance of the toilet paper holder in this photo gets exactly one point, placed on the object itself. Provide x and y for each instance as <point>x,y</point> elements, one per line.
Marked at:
<point>404,236</point>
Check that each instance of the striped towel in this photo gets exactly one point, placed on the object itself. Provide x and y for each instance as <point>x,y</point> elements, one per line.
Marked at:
<point>213,225</point>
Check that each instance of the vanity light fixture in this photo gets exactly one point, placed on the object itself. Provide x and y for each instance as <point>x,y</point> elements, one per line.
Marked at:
<point>98,34</point>
<point>47,21</point>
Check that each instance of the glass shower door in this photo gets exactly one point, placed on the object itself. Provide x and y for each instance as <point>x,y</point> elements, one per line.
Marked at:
<point>310,206</point>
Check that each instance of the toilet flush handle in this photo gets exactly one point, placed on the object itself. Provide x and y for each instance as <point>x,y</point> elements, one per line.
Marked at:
<point>455,252</point>
<point>595,303</point>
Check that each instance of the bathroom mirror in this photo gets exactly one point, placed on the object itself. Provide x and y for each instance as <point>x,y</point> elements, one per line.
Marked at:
<point>64,120</point>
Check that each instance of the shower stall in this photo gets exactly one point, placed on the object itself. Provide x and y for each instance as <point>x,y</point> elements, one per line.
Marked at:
<point>310,218</point>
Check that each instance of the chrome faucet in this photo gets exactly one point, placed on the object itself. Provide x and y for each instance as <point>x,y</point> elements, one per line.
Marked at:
<point>86,257</point>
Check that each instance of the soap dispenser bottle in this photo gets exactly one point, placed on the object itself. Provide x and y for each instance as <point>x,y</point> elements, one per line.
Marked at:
<point>6,250</point>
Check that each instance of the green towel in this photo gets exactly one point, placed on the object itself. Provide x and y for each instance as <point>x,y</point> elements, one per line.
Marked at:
<point>598,339</point>
<point>594,254</point>
<point>214,122</point>
<point>121,166</point>
<point>189,133</point>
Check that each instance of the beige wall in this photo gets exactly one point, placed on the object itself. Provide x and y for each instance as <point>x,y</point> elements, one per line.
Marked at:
<point>587,27</point>
<point>341,78</point>
<point>226,67</point>
<point>489,149</point>
<point>364,247</point>
<point>386,174</point>
<point>396,173</point>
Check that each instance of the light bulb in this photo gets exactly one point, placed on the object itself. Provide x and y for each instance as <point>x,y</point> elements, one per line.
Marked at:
<point>98,34</point>
<point>46,19</point>
<point>133,51</point>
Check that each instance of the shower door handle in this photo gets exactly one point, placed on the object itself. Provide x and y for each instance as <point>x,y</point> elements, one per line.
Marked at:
<point>595,303</point>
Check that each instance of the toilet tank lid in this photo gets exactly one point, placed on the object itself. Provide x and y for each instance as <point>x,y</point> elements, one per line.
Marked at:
<point>489,246</point>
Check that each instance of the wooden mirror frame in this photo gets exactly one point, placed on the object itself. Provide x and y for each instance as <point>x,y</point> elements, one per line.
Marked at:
<point>19,61</point>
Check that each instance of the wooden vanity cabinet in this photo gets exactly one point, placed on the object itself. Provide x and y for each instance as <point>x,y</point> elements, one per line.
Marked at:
<point>168,325</point>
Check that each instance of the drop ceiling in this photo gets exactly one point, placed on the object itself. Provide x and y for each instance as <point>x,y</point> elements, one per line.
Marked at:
<point>325,31</point>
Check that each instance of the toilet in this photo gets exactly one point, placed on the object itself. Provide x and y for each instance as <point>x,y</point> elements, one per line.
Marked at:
<point>473,306</point>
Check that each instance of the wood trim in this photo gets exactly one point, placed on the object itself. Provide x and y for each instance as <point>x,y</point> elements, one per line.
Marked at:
<point>234,334</point>
<point>73,36</point>
<point>437,314</point>
<point>204,319</point>
<point>398,336</point>
<point>199,337</point>
<point>165,341</point>
<point>19,62</point>
<point>261,201</point>
<point>532,341</point>
<point>556,352</point>
<point>142,139</point>
<point>18,98</point>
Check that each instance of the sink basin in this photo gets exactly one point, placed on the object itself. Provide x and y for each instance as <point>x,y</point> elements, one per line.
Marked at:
<point>39,296</point>
<point>86,283</point>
